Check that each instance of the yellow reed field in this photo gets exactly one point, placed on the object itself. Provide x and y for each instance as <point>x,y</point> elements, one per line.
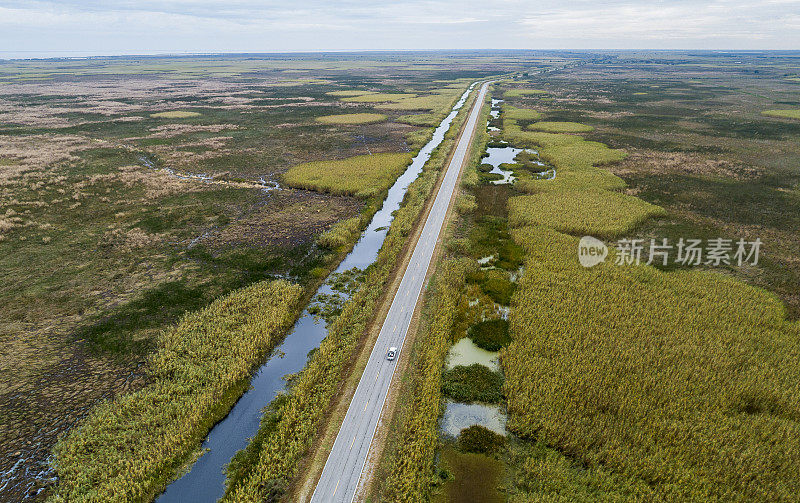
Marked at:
<point>600,213</point>
<point>128,448</point>
<point>361,118</point>
<point>784,114</point>
<point>350,93</point>
<point>631,383</point>
<point>683,385</point>
<point>361,176</point>
<point>437,101</point>
<point>175,114</point>
<point>377,97</point>
<point>519,114</point>
<point>340,234</point>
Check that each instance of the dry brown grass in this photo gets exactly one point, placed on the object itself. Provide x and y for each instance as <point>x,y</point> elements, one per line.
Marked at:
<point>657,162</point>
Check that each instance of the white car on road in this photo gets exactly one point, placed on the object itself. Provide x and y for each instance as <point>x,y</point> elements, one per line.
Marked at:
<point>392,353</point>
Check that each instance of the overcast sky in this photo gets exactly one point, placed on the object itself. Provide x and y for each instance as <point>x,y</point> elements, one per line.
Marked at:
<point>31,28</point>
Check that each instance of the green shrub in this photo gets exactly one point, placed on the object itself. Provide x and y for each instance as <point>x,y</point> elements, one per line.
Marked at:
<point>490,335</point>
<point>465,203</point>
<point>498,286</point>
<point>474,383</point>
<point>480,439</point>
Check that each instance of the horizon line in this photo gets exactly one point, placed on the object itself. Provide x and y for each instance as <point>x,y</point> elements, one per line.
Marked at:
<point>353,51</point>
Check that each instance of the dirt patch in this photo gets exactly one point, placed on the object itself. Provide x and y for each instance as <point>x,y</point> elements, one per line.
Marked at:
<point>288,218</point>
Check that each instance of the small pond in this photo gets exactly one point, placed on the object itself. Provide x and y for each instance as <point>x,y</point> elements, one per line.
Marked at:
<point>465,352</point>
<point>458,416</point>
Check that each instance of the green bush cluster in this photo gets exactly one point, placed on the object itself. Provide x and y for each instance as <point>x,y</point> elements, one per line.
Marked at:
<point>481,440</point>
<point>490,335</point>
<point>473,383</point>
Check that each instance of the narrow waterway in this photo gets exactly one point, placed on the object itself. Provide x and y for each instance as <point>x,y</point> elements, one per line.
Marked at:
<point>205,481</point>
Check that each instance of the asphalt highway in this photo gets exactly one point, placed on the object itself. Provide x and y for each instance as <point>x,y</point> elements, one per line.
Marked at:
<point>343,469</point>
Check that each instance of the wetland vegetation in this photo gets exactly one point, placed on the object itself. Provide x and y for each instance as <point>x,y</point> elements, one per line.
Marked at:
<point>164,219</point>
<point>137,190</point>
<point>667,149</point>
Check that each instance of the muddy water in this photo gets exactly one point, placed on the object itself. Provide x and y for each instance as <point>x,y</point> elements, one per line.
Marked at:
<point>205,480</point>
<point>465,352</point>
<point>458,416</point>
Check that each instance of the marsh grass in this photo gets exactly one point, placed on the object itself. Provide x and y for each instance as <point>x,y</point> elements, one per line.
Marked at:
<point>360,118</point>
<point>783,114</point>
<point>519,114</point>
<point>361,176</point>
<point>378,97</point>
<point>601,213</point>
<point>475,477</point>
<point>136,442</point>
<point>175,114</point>
<point>352,92</point>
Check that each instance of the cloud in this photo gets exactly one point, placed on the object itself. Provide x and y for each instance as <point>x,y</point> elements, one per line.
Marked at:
<point>248,25</point>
